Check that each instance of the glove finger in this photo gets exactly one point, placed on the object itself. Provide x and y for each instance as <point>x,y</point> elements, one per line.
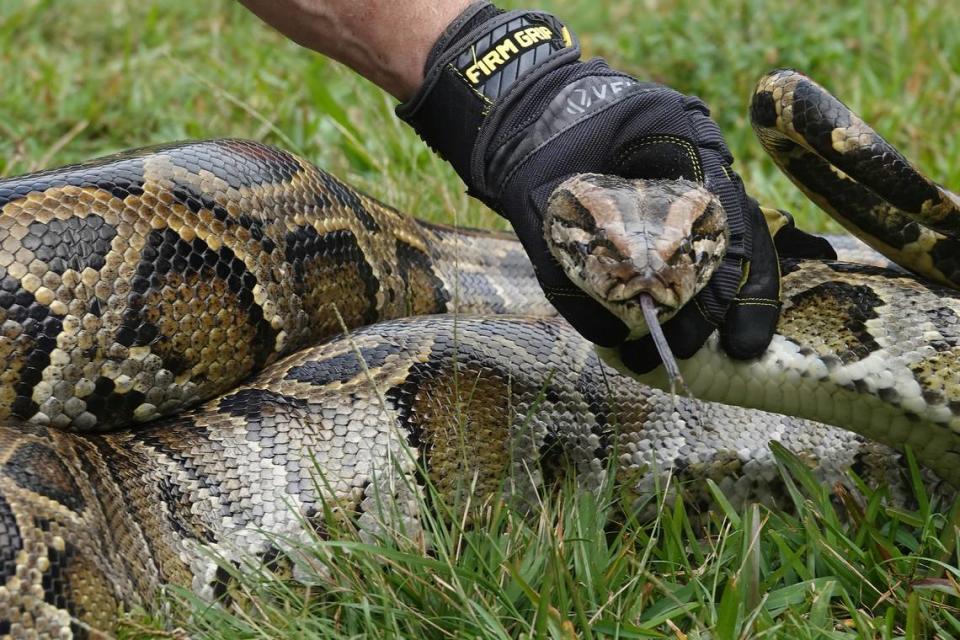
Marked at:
<point>791,242</point>
<point>706,130</point>
<point>751,319</point>
<point>685,333</point>
<point>587,316</point>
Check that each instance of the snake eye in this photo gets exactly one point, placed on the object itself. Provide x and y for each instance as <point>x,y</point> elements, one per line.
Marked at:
<point>600,249</point>
<point>604,256</point>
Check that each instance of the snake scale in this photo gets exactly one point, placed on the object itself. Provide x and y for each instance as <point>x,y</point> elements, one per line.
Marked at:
<point>135,287</point>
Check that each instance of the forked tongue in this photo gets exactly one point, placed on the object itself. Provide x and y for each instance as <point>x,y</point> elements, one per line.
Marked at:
<point>663,348</point>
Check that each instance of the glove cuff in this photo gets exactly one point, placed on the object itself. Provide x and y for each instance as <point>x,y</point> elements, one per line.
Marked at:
<point>477,65</point>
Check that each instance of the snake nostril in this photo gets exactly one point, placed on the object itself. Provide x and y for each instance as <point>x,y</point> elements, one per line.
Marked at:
<point>623,271</point>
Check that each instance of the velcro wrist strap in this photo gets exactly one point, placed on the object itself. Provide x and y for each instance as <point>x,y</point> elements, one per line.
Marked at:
<point>470,77</point>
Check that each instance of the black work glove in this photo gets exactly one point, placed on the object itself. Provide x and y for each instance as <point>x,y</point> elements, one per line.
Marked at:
<point>506,101</point>
<point>792,243</point>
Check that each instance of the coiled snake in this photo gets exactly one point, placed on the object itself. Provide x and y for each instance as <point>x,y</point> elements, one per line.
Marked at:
<point>136,286</point>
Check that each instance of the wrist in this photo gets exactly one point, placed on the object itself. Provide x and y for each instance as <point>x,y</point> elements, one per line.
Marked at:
<point>407,58</point>
<point>480,63</point>
<point>385,41</point>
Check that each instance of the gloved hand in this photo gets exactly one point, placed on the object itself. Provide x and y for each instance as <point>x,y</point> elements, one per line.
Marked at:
<point>506,101</point>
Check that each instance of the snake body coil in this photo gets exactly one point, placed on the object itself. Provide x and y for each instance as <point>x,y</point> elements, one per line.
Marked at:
<point>138,285</point>
<point>857,177</point>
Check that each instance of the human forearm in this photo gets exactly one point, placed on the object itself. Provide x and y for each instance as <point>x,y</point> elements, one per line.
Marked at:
<point>385,41</point>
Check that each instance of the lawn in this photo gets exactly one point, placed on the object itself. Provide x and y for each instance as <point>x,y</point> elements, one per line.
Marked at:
<point>87,77</point>
<point>82,78</point>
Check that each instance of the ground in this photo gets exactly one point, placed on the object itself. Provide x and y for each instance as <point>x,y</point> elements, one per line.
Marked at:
<point>81,78</point>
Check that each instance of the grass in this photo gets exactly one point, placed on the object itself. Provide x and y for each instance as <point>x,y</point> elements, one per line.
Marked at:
<point>579,567</point>
<point>83,78</point>
<point>87,77</point>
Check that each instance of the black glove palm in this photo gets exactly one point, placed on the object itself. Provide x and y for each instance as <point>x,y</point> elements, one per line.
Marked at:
<point>506,102</point>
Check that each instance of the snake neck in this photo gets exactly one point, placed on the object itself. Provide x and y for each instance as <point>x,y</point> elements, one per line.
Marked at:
<point>857,347</point>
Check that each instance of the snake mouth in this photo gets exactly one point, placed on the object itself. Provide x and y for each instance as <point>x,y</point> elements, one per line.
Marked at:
<point>651,283</point>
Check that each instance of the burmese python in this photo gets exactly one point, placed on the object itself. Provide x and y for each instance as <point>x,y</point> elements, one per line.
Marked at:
<point>137,285</point>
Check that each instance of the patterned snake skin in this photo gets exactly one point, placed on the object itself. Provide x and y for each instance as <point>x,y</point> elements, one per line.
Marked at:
<point>138,285</point>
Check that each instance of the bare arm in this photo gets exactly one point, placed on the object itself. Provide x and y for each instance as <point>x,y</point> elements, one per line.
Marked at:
<point>386,41</point>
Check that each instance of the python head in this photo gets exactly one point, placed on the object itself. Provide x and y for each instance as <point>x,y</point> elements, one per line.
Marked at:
<point>618,239</point>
